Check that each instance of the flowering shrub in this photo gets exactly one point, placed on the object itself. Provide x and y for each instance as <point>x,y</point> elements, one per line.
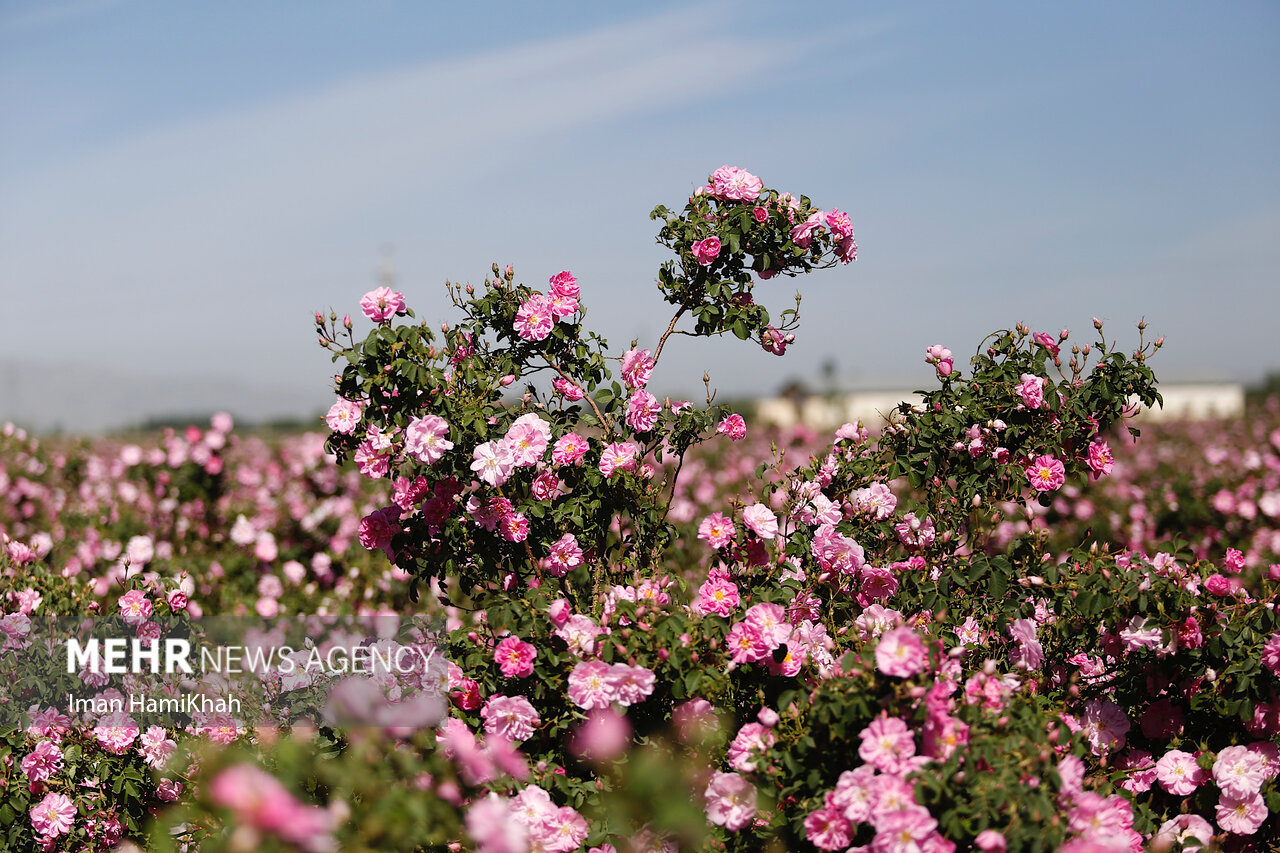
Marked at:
<point>663,634</point>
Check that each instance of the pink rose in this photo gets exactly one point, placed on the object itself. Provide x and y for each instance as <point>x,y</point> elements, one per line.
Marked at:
<point>706,251</point>
<point>382,304</point>
<point>734,427</point>
<point>1046,474</point>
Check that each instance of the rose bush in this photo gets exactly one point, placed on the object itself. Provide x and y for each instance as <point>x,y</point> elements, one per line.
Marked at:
<point>664,633</point>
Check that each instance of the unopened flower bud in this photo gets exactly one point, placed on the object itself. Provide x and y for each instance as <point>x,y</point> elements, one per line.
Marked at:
<point>1159,342</point>
<point>333,316</point>
<point>346,322</point>
<point>1097,324</point>
<point>444,327</point>
<point>319,319</point>
<point>1064,334</point>
<point>471,291</point>
<point>507,380</point>
<point>495,268</point>
<point>1142,325</point>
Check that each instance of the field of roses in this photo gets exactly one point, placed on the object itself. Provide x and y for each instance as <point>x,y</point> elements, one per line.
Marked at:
<point>1001,620</point>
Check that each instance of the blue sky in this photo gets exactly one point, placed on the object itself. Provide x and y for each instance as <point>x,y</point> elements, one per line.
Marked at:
<point>183,184</point>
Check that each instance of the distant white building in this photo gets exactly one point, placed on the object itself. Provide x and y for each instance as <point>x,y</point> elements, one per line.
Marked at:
<point>1199,401</point>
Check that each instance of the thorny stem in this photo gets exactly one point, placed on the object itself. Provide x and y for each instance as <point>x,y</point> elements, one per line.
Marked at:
<point>671,327</point>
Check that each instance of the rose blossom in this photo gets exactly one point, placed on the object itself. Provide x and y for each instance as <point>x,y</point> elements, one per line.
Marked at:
<point>382,304</point>
<point>42,762</point>
<point>642,411</point>
<point>734,427</point>
<point>53,816</point>
<point>730,801</point>
<point>706,251</point>
<point>515,657</point>
<point>135,607</point>
<point>1031,390</point>
<point>511,717</point>
<point>734,184</point>
<point>901,653</point>
<point>344,416</point>
<point>534,320</point>
<point>717,531</point>
<point>761,521</point>
<point>1100,460</point>
<point>427,438</point>
<point>1046,474</point>
<point>637,367</point>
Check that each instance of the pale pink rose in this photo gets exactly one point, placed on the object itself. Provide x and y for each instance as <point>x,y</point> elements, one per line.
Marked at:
<point>259,800</point>
<point>717,596</point>
<point>382,304</point>
<point>1046,474</point>
<point>746,643</point>
<point>492,826</point>
<point>637,367</point>
<point>642,411</point>
<point>590,686</point>
<point>706,251</point>
<point>427,438</point>
<point>603,736</point>
<point>116,733</point>
<point>748,747</point>
<point>1239,771</point>
<point>901,653</point>
<point>618,456</point>
<point>730,801</point>
<point>990,841</point>
<point>717,531</point>
<point>1241,815</point>
<point>761,521</point>
<point>1180,830</point>
<point>493,462</point>
<point>888,745</point>
<point>510,717</point>
<point>344,416</point>
<point>734,184</point>
<point>630,684</point>
<point>135,607</point>
<point>564,556</point>
<point>560,831</point>
<point>177,600</point>
<point>903,829</point>
<point>1031,390</point>
<point>1104,725</point>
<point>53,816</point>
<point>534,320</point>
